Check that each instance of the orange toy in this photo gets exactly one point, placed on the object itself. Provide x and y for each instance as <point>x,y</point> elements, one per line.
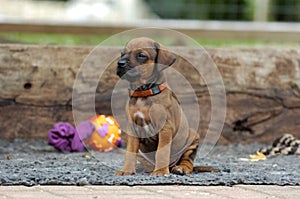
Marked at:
<point>107,134</point>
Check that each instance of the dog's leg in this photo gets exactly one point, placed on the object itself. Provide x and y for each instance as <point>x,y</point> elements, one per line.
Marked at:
<point>162,157</point>
<point>130,156</point>
<point>186,162</point>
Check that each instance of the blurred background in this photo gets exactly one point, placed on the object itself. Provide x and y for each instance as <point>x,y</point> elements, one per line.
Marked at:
<point>210,22</point>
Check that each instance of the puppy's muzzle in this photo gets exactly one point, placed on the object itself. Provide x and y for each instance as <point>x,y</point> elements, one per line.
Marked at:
<point>125,71</point>
<point>122,67</point>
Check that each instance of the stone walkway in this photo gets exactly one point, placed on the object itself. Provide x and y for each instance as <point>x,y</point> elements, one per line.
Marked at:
<point>151,192</point>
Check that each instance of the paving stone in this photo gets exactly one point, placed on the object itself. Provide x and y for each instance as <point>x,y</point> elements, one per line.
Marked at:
<point>151,192</point>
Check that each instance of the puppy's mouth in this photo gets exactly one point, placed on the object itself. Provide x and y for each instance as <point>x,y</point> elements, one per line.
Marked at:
<point>128,73</point>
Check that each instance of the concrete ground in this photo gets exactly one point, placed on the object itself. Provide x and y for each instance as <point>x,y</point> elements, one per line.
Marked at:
<point>142,192</point>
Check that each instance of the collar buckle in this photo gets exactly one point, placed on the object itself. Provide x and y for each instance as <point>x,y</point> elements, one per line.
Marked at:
<point>155,90</point>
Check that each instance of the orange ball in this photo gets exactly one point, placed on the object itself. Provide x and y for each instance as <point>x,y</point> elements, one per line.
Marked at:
<point>107,134</point>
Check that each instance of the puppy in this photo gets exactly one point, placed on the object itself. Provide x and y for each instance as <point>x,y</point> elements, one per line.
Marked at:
<point>158,132</point>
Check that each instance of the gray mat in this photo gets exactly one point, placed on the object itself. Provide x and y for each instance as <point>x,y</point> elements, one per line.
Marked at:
<point>36,163</point>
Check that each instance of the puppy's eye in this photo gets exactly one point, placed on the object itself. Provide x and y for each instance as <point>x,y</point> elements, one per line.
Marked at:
<point>141,56</point>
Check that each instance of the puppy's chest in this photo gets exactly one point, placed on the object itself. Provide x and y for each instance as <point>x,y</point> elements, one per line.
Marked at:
<point>144,125</point>
<point>139,111</point>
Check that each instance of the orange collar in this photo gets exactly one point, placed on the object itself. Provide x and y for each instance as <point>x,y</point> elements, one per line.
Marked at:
<point>150,92</point>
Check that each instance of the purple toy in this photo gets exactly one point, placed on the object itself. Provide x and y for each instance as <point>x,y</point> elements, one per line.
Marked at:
<point>64,137</point>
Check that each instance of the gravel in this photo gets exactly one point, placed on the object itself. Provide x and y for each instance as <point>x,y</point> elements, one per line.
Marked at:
<point>36,163</point>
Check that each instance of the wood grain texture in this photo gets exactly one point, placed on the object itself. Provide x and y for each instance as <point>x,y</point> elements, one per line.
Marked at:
<point>262,89</point>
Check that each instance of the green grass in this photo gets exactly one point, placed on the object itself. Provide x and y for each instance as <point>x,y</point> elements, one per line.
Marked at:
<point>93,40</point>
<point>244,43</point>
<point>61,39</point>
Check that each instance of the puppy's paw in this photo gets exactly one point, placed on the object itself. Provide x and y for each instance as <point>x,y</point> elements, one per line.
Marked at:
<point>160,172</point>
<point>181,170</point>
<point>124,173</point>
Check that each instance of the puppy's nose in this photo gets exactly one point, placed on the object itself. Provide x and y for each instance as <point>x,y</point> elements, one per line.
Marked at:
<point>122,62</point>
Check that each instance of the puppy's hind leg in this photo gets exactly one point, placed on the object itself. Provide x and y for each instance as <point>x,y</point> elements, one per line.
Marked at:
<point>186,162</point>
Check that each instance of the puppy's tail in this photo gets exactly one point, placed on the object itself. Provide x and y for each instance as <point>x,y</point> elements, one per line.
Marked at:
<point>200,169</point>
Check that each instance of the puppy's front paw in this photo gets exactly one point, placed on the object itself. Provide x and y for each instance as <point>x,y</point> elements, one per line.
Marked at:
<point>161,172</point>
<point>124,173</point>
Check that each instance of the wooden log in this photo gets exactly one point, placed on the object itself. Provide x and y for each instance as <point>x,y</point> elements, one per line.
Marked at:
<point>36,85</point>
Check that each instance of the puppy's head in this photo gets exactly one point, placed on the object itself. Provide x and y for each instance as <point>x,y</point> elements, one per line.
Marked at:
<point>142,60</point>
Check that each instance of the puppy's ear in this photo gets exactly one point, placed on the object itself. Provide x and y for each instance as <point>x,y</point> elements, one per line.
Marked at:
<point>164,58</point>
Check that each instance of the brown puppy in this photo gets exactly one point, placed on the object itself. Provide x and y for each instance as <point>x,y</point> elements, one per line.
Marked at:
<point>158,130</point>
